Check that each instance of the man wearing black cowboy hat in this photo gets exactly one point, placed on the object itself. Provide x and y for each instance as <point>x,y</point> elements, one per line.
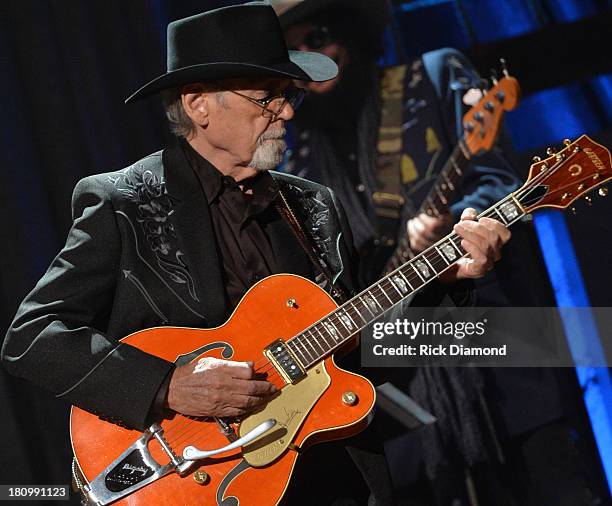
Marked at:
<point>178,237</point>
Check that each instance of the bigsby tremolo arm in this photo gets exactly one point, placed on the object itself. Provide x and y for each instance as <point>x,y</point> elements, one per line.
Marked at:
<point>192,453</point>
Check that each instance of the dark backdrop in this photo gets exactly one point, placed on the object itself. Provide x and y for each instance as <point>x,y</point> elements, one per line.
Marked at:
<point>66,66</point>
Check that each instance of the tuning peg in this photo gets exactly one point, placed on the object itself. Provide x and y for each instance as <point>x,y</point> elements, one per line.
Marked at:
<point>566,142</point>
<point>494,77</point>
<point>537,159</point>
<point>484,86</point>
<point>589,200</point>
<point>469,126</point>
<point>603,191</point>
<point>550,151</point>
<point>478,116</point>
<point>504,67</point>
<point>489,106</point>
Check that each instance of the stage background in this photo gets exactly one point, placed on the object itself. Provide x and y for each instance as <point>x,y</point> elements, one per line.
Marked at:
<point>67,66</point>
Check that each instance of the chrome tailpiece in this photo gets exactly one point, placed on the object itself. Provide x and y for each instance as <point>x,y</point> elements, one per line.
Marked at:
<point>134,469</point>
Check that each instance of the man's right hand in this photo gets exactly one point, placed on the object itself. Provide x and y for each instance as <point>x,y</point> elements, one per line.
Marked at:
<point>213,387</point>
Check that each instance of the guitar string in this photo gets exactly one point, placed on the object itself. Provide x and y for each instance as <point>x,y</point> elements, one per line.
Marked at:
<point>187,428</point>
<point>183,425</point>
<point>178,431</point>
<point>521,195</point>
<point>436,261</point>
<point>376,289</point>
<point>529,187</point>
<point>449,171</point>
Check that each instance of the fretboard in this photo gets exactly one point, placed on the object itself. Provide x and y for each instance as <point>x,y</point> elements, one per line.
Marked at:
<point>322,338</point>
<point>435,204</point>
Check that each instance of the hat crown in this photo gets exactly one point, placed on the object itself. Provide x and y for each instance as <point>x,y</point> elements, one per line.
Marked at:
<point>243,41</point>
<point>256,36</point>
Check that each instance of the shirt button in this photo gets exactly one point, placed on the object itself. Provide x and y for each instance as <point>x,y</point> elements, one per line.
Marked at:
<point>360,187</point>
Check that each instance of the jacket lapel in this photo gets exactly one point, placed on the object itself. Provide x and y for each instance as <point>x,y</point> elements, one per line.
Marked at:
<point>290,255</point>
<point>195,234</point>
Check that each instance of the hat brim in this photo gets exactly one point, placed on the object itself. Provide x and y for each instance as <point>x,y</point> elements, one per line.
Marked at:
<point>302,65</point>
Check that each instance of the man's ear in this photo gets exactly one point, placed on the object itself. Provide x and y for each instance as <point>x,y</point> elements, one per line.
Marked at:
<point>195,102</point>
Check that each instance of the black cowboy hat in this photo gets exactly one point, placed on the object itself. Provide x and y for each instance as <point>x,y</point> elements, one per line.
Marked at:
<point>230,42</point>
<point>291,12</point>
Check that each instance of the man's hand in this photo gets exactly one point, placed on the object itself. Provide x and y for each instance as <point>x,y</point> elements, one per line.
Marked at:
<point>425,230</point>
<point>483,240</point>
<point>213,387</point>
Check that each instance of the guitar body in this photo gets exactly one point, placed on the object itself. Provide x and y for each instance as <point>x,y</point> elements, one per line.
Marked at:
<point>308,412</point>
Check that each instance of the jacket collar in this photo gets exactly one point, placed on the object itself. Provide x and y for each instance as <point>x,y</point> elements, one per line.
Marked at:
<point>195,234</point>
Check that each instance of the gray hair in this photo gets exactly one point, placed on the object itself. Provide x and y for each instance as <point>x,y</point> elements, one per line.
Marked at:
<point>180,123</point>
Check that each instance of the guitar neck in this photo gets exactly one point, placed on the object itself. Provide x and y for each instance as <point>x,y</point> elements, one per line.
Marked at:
<point>436,202</point>
<point>324,337</point>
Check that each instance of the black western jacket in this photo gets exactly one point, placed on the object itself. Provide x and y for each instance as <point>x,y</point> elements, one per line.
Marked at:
<point>142,253</point>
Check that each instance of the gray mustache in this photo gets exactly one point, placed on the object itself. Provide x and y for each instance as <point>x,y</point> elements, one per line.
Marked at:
<point>276,134</point>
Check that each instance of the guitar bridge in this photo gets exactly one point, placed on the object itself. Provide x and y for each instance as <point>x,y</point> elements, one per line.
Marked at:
<point>285,362</point>
<point>133,469</point>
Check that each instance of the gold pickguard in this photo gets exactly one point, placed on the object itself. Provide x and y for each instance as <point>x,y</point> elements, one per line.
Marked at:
<point>289,410</point>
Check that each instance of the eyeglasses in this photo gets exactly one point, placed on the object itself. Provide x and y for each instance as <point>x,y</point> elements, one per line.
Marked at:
<point>271,107</point>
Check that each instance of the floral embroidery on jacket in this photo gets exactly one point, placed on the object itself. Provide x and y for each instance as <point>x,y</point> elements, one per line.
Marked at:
<point>148,191</point>
<point>315,215</point>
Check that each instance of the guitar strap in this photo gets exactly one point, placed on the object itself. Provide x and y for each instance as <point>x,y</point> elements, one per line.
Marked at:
<point>410,118</point>
<point>387,198</point>
<point>307,244</point>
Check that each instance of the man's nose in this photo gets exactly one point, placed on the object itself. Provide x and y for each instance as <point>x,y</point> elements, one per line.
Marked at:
<point>286,113</point>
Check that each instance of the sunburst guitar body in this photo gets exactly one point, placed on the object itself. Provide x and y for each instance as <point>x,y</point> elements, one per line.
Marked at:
<point>122,466</point>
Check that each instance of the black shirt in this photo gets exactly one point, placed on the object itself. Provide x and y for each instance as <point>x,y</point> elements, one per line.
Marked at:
<point>239,218</point>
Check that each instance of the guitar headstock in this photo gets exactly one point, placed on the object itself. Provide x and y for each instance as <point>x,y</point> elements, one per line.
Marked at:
<point>482,122</point>
<point>563,177</point>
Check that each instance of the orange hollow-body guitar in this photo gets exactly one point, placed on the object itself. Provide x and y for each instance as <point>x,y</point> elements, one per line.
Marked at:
<point>328,403</point>
<point>289,328</point>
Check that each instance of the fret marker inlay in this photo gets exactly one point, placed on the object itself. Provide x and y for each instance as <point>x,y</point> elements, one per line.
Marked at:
<point>423,269</point>
<point>509,210</point>
<point>331,330</point>
<point>449,251</point>
<point>347,321</point>
<point>371,306</point>
<point>400,283</point>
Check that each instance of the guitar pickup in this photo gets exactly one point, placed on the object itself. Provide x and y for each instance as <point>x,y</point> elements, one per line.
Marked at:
<point>285,362</point>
